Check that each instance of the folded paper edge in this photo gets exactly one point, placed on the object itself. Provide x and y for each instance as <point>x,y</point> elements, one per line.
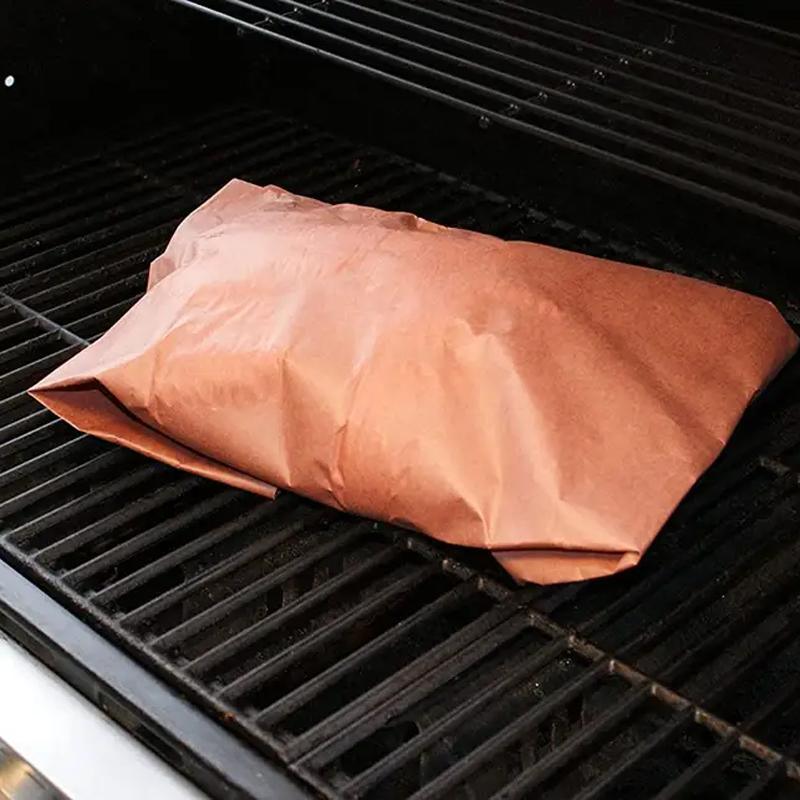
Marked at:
<point>89,408</point>
<point>547,567</point>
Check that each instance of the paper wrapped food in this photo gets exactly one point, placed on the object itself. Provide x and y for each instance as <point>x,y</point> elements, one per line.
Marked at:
<point>551,407</point>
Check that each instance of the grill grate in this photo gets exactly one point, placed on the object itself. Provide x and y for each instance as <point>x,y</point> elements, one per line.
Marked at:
<point>648,86</point>
<point>373,663</point>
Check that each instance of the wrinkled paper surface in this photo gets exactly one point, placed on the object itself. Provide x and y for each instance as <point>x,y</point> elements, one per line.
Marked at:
<point>551,407</point>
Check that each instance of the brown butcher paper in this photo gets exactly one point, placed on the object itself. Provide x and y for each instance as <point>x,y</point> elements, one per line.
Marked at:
<point>550,407</point>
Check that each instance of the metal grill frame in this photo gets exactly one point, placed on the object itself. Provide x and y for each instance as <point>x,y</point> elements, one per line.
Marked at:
<point>131,695</point>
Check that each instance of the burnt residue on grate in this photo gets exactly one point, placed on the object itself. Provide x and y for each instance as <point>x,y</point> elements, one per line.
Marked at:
<point>373,663</point>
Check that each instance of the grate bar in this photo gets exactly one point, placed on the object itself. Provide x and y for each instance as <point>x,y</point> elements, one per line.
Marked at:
<point>20,426</point>
<point>216,123</point>
<point>411,185</point>
<point>333,163</point>
<point>36,200</point>
<point>328,677</point>
<point>386,178</point>
<point>766,781</point>
<point>149,536</point>
<point>468,645</point>
<point>265,131</point>
<point>755,646</point>
<point>755,97</point>
<point>706,547</point>
<point>696,15</point>
<point>29,346</point>
<point>108,315</point>
<point>450,211</point>
<point>534,41</point>
<point>88,244</point>
<point>17,329</point>
<point>263,672</point>
<point>209,177</point>
<point>53,278</point>
<point>117,589</point>
<point>588,650</point>
<point>644,749</point>
<point>116,519</point>
<point>132,284</point>
<point>503,221</point>
<point>240,598</point>
<point>114,201</point>
<point>697,773</point>
<point>446,781</point>
<point>77,263</point>
<point>144,141</point>
<point>556,598</point>
<point>77,474</point>
<point>259,133</point>
<point>257,127</point>
<point>32,464</point>
<point>41,366</point>
<point>456,716</point>
<point>785,694</point>
<point>227,566</point>
<point>534,86</point>
<point>59,206</point>
<point>57,238</point>
<point>11,446</point>
<point>707,593</point>
<point>254,154</point>
<point>531,777</point>
<point>249,635</point>
<point>25,532</point>
<point>752,203</point>
<point>369,184</point>
<point>138,148</point>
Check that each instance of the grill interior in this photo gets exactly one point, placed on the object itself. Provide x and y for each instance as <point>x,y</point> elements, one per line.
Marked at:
<point>371,662</point>
<point>682,95</point>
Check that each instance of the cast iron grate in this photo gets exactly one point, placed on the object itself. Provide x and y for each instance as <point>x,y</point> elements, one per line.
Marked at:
<point>692,98</point>
<point>371,662</point>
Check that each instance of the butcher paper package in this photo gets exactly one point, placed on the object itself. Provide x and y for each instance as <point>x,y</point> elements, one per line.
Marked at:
<point>550,407</point>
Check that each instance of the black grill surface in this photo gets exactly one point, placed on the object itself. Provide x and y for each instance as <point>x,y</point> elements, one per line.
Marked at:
<point>371,662</point>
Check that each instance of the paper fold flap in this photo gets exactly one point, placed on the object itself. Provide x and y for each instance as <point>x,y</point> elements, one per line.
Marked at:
<point>88,407</point>
<point>563,566</point>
